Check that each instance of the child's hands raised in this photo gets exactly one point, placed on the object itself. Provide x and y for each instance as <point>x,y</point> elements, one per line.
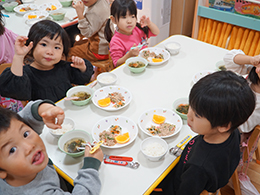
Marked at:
<point>79,7</point>
<point>20,48</point>
<point>52,116</point>
<point>98,154</point>
<point>145,21</point>
<point>79,63</point>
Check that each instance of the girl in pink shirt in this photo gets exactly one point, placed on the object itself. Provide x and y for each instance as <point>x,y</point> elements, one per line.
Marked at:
<point>129,32</point>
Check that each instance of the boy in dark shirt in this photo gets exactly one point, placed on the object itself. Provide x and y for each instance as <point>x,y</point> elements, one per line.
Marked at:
<point>218,104</point>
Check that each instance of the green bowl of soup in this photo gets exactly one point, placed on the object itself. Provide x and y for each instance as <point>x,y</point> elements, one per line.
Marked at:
<point>136,64</point>
<point>181,107</point>
<point>69,142</point>
<point>84,94</point>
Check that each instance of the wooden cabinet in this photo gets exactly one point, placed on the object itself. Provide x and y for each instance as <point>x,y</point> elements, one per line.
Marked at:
<point>182,13</point>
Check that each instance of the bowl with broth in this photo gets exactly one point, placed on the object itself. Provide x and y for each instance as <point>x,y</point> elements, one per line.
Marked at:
<point>82,94</point>
<point>58,14</point>
<point>220,65</point>
<point>181,107</point>
<point>136,64</point>
<point>69,142</point>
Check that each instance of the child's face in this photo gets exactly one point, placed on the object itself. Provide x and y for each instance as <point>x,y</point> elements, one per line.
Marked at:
<point>198,124</point>
<point>47,53</point>
<point>126,24</point>
<point>89,2</point>
<point>22,153</point>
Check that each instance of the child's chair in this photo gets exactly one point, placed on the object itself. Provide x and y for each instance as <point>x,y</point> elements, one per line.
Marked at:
<point>252,146</point>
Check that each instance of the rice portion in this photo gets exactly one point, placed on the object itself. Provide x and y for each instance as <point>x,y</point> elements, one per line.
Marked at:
<point>65,128</point>
<point>154,149</point>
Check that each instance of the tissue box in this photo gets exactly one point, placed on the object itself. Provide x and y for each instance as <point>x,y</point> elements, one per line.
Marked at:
<point>247,8</point>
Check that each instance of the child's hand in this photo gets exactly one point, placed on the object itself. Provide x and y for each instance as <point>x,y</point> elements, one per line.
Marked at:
<point>79,63</point>
<point>255,61</point>
<point>98,154</point>
<point>52,116</point>
<point>79,7</point>
<point>145,21</point>
<point>20,48</point>
<point>134,52</point>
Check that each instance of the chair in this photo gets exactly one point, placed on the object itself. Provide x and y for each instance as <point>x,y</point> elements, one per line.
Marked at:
<point>251,142</point>
<point>205,192</point>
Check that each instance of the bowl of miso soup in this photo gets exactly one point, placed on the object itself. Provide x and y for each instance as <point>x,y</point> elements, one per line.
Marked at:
<point>136,64</point>
<point>82,94</point>
<point>70,141</point>
<point>181,107</point>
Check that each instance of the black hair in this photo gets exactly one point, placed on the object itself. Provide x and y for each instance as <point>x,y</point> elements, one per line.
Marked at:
<point>223,97</point>
<point>2,26</point>
<point>120,8</point>
<point>253,76</point>
<point>50,29</point>
<point>6,116</point>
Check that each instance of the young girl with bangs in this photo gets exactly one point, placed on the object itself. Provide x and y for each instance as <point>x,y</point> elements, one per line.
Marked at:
<point>129,32</point>
<point>48,76</point>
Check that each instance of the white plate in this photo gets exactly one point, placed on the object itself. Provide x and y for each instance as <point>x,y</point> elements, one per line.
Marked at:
<point>40,15</point>
<point>146,120</point>
<point>103,93</point>
<point>127,126</point>
<point>157,51</point>
<point>201,74</point>
<point>43,7</point>
<point>19,7</point>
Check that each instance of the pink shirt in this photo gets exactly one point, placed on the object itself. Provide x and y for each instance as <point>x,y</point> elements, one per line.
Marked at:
<point>120,44</point>
<point>7,41</point>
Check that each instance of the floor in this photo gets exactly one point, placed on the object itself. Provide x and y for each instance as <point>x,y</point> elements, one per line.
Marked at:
<point>254,175</point>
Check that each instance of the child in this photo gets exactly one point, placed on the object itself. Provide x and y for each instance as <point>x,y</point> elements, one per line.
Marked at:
<point>219,103</point>
<point>237,61</point>
<point>91,23</point>
<point>24,164</point>
<point>47,77</point>
<point>129,32</point>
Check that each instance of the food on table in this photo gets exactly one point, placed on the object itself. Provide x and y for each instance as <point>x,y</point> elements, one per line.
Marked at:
<point>56,14</point>
<point>25,9</point>
<point>53,7</point>
<point>107,79</point>
<point>154,149</point>
<point>136,64</point>
<point>158,119</point>
<point>64,129</point>
<point>104,102</point>
<point>183,108</point>
<point>71,145</point>
<point>155,58</point>
<point>108,137</point>
<point>82,95</point>
<point>163,129</point>
<point>121,139</point>
<point>117,99</point>
<point>41,17</point>
<point>32,16</point>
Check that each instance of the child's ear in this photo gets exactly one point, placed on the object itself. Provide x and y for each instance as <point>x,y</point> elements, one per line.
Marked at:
<point>112,18</point>
<point>3,174</point>
<point>223,129</point>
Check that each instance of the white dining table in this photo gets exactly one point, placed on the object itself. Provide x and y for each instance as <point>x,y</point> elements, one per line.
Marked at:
<point>157,87</point>
<point>16,23</point>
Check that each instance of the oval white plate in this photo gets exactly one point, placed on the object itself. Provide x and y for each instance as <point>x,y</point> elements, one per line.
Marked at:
<point>157,51</point>
<point>201,74</point>
<point>19,7</point>
<point>43,7</point>
<point>146,120</point>
<point>103,93</point>
<point>127,126</point>
<point>40,15</point>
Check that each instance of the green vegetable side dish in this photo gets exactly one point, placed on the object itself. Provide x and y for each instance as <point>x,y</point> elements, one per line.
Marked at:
<point>136,64</point>
<point>183,108</point>
<point>222,67</point>
<point>81,95</point>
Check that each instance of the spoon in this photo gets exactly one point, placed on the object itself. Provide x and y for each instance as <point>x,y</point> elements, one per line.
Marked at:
<point>71,98</point>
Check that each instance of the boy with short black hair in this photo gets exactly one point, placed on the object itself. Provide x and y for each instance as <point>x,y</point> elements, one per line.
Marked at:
<point>218,104</point>
<point>25,168</point>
